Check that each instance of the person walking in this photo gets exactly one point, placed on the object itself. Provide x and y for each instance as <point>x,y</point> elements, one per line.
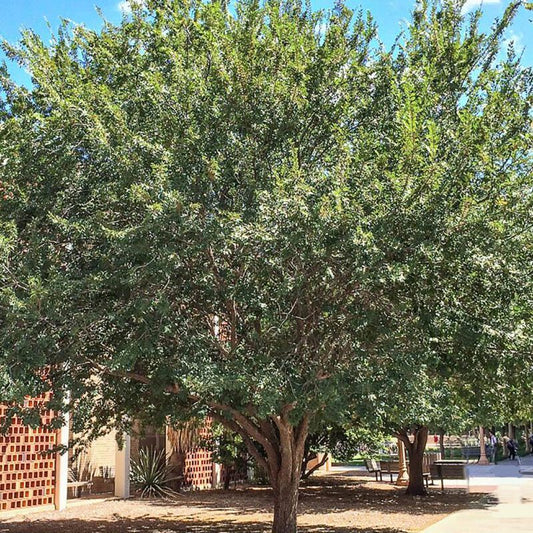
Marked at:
<point>493,443</point>
<point>512,447</point>
<point>531,443</point>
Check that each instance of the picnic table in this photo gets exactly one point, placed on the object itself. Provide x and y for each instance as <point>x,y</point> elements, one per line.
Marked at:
<point>448,469</point>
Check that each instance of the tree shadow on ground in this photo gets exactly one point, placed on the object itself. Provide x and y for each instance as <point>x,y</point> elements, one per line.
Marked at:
<point>367,495</point>
<point>156,525</point>
<point>324,495</point>
<point>332,504</point>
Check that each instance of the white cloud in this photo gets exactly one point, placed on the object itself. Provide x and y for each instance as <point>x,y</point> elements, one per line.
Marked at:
<point>516,39</point>
<point>124,7</point>
<point>472,4</point>
<point>321,28</point>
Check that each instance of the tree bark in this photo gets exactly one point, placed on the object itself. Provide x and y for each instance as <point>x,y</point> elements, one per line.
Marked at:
<point>308,457</point>
<point>177,463</point>
<point>416,451</point>
<point>278,446</point>
<point>285,479</point>
<point>285,507</point>
<point>227,477</point>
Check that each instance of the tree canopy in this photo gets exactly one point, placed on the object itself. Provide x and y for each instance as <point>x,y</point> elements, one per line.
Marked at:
<point>259,214</point>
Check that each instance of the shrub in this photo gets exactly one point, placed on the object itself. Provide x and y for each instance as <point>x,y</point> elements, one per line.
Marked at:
<point>151,475</point>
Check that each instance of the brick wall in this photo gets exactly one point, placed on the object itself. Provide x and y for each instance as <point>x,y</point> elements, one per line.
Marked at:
<point>199,464</point>
<point>27,468</point>
<point>199,469</point>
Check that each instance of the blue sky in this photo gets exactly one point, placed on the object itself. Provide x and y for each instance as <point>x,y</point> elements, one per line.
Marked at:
<point>389,14</point>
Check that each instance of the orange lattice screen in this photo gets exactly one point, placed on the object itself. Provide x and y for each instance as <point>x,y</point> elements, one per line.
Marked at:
<point>199,464</point>
<point>27,471</point>
<point>199,469</point>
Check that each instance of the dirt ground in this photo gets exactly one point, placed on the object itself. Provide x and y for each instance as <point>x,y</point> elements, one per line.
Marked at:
<point>328,504</point>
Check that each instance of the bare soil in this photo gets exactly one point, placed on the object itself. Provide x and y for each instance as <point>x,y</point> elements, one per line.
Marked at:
<point>328,504</point>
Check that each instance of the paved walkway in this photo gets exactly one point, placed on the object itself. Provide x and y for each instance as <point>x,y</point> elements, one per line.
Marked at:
<point>511,483</point>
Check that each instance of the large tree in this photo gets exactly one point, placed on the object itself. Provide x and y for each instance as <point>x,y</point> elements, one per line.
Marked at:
<point>176,231</point>
<point>457,167</point>
<point>251,213</point>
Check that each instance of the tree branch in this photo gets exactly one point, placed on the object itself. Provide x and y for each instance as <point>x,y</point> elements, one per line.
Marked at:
<point>252,448</point>
<point>321,463</point>
<point>252,430</point>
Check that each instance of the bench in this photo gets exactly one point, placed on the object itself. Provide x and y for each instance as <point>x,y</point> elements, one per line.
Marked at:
<point>447,471</point>
<point>76,487</point>
<point>471,452</point>
<point>391,468</point>
<point>374,467</point>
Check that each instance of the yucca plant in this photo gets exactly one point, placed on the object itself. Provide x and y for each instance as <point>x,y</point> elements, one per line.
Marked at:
<point>151,474</point>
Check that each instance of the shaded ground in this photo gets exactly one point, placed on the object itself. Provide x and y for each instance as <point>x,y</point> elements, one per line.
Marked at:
<point>329,504</point>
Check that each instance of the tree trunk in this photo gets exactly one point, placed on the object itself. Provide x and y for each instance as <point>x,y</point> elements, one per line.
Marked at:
<point>285,507</point>
<point>483,460</point>
<point>285,474</point>
<point>416,451</point>
<point>278,446</point>
<point>416,478</point>
<point>227,478</point>
<point>308,457</point>
<point>176,462</point>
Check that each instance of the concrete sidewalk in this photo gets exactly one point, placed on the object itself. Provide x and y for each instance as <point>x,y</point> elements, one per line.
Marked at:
<point>511,482</point>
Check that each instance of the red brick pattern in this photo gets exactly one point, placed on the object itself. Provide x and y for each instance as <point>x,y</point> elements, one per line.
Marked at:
<point>27,472</point>
<point>199,464</point>
<point>199,469</point>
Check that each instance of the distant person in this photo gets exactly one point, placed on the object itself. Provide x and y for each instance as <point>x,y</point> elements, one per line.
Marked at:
<point>531,442</point>
<point>513,448</point>
<point>493,443</point>
<point>505,440</point>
